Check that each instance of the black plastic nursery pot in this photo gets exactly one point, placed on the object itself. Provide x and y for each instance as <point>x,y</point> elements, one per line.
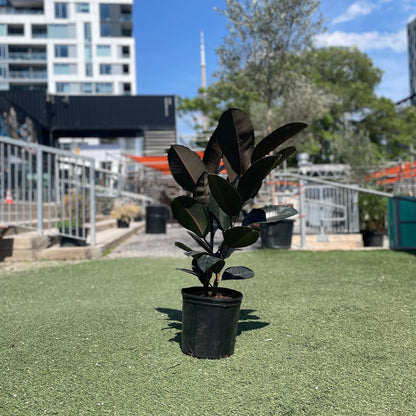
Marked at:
<point>65,241</point>
<point>209,325</point>
<point>123,224</point>
<point>373,238</point>
<point>277,234</point>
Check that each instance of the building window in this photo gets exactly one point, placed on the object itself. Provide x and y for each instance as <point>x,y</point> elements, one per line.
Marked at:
<point>104,12</point>
<point>61,31</point>
<point>65,69</point>
<point>87,31</point>
<point>3,52</point>
<point>15,30</point>
<point>86,88</point>
<point>65,51</point>
<point>88,70</point>
<point>104,88</point>
<point>39,31</point>
<point>126,32</point>
<point>83,7</point>
<point>61,10</point>
<point>105,30</point>
<point>3,71</point>
<point>105,69</point>
<point>4,86</point>
<point>3,29</point>
<point>126,69</point>
<point>63,87</point>
<point>127,88</point>
<point>103,50</point>
<point>125,51</point>
<point>88,53</point>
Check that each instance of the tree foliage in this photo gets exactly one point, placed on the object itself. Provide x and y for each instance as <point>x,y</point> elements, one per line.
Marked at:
<point>268,67</point>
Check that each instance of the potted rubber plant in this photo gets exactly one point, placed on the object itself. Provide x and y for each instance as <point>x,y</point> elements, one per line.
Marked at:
<point>372,213</point>
<point>124,213</point>
<point>221,187</point>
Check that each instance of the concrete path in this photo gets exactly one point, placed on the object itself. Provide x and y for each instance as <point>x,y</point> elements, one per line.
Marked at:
<point>157,245</point>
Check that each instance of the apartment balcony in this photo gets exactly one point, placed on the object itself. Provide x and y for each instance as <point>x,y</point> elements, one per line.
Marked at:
<point>28,75</point>
<point>28,56</point>
<point>26,3</point>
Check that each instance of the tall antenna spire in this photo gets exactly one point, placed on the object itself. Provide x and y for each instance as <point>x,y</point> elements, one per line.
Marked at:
<point>203,79</point>
<point>203,63</point>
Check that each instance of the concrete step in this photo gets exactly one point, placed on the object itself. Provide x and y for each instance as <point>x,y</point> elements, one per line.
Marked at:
<point>333,242</point>
<point>30,246</point>
<point>105,240</point>
<point>22,246</point>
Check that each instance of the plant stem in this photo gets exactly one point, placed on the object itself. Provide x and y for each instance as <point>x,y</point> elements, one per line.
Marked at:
<point>215,287</point>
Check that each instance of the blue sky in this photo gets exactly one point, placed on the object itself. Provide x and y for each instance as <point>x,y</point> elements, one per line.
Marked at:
<point>167,40</point>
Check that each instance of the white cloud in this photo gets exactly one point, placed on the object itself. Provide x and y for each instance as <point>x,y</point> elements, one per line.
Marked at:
<point>365,41</point>
<point>360,8</point>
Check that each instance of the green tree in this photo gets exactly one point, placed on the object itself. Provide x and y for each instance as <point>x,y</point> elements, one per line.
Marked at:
<point>256,65</point>
<point>263,37</point>
<point>358,115</point>
<point>351,77</point>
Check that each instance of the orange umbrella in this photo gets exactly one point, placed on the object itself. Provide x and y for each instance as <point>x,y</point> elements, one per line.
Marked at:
<point>159,163</point>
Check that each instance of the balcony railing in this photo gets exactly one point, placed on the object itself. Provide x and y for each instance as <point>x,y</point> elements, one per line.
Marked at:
<point>27,56</point>
<point>28,75</point>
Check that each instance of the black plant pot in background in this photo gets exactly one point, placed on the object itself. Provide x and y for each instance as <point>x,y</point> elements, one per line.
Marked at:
<point>122,224</point>
<point>373,238</point>
<point>277,234</point>
<point>65,241</point>
<point>209,325</point>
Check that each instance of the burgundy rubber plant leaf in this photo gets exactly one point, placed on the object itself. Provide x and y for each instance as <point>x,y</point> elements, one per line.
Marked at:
<point>186,166</point>
<point>276,139</point>
<point>191,215</point>
<point>235,135</point>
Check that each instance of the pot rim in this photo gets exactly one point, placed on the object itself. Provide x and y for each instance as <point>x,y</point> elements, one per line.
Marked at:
<point>194,294</point>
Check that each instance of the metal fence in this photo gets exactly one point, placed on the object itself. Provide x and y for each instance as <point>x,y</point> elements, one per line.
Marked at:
<point>51,190</point>
<point>325,207</point>
<point>46,189</point>
<point>331,209</point>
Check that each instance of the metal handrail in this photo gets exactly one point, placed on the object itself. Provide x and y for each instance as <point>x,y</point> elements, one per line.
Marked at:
<point>44,189</point>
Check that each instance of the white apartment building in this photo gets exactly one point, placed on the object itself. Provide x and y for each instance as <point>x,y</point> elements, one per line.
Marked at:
<point>411,44</point>
<point>67,47</point>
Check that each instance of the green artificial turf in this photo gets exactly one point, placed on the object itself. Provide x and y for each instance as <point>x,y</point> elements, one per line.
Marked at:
<point>320,334</point>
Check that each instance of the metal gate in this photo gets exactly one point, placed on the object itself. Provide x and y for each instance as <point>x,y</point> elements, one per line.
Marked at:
<point>325,207</point>
<point>330,209</point>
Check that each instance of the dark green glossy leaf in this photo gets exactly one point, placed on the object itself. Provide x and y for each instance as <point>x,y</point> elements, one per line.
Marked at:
<point>210,263</point>
<point>225,194</point>
<point>182,246</point>
<point>286,153</point>
<point>187,271</point>
<point>201,242</point>
<point>271,213</point>
<point>223,219</point>
<point>275,139</point>
<point>240,237</point>
<point>194,253</point>
<point>237,273</point>
<point>186,166</point>
<point>212,154</point>
<point>235,137</point>
<point>252,179</point>
<point>191,215</point>
<point>201,190</point>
